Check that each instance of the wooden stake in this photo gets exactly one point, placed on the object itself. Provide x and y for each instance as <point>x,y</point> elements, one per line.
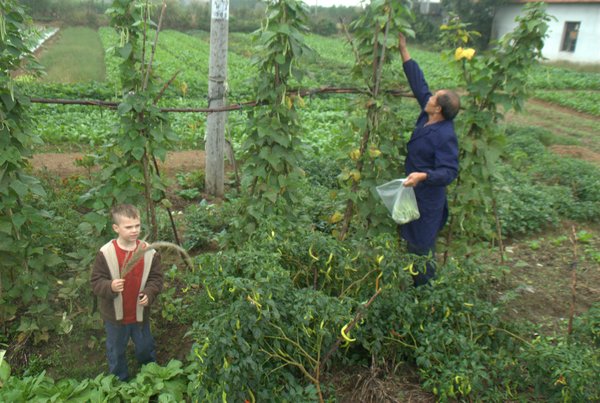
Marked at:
<point>573,279</point>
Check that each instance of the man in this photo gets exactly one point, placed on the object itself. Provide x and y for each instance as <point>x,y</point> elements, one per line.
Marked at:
<point>431,163</point>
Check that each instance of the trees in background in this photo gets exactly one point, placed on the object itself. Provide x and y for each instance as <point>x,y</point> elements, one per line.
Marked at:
<point>70,12</point>
<point>479,14</point>
<point>245,15</point>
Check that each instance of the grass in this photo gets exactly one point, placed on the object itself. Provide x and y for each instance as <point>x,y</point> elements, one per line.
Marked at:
<point>581,67</point>
<point>77,56</point>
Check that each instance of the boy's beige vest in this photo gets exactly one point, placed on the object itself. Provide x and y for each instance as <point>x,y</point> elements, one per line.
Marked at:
<point>110,255</point>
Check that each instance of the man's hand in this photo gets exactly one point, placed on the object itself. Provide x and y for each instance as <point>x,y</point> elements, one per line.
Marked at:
<point>414,179</point>
<point>118,285</point>
<point>401,41</point>
<point>402,46</point>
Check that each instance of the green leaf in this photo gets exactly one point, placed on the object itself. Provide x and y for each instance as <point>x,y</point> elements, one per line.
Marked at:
<point>138,153</point>
<point>124,108</point>
<point>53,260</point>
<point>125,51</point>
<point>8,101</point>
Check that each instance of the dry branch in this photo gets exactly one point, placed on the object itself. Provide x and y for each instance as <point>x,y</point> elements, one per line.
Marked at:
<point>139,252</point>
<point>149,70</point>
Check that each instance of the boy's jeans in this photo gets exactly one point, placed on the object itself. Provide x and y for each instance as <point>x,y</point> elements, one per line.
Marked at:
<point>117,337</point>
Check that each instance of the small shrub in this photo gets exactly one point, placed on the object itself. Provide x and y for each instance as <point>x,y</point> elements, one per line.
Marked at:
<point>524,145</point>
<point>191,183</point>
<point>561,370</point>
<point>524,207</point>
<point>580,178</point>
<point>203,224</point>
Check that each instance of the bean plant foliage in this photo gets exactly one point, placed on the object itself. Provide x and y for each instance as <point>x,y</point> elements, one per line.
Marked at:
<point>374,160</point>
<point>273,148</point>
<point>495,82</point>
<point>143,135</point>
<point>28,265</point>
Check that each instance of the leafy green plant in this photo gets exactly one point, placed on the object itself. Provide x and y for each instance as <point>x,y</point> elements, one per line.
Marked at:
<point>583,101</point>
<point>559,240</point>
<point>272,148</point>
<point>203,224</point>
<point>168,383</point>
<point>535,244</point>
<point>524,207</point>
<point>29,262</point>
<point>261,332</point>
<point>191,183</point>
<point>562,369</point>
<point>130,169</point>
<point>582,191</point>
<point>493,80</point>
<point>374,41</point>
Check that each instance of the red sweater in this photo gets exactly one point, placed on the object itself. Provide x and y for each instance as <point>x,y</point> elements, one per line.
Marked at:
<point>133,281</point>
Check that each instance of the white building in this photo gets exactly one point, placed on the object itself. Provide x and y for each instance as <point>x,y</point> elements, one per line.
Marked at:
<point>573,36</point>
<point>430,7</point>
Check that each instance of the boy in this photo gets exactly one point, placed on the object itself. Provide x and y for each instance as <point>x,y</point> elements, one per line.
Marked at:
<point>124,303</point>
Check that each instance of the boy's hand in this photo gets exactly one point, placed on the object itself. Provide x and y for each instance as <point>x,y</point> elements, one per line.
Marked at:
<point>118,285</point>
<point>143,299</point>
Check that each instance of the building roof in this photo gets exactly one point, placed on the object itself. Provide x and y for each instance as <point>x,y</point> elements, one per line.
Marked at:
<point>559,1</point>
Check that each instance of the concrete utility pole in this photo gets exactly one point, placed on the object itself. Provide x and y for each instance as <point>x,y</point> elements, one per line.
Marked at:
<point>217,77</point>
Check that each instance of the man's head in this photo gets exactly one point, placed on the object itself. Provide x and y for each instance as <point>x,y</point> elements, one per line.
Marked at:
<point>445,103</point>
<point>126,222</point>
<point>449,102</point>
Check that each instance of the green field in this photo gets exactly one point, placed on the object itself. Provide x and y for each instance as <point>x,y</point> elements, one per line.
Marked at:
<point>74,56</point>
<point>80,55</point>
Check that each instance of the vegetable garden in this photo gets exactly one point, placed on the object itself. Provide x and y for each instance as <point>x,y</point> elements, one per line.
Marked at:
<point>299,281</point>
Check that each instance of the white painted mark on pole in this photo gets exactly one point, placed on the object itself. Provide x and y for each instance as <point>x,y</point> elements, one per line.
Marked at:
<point>220,10</point>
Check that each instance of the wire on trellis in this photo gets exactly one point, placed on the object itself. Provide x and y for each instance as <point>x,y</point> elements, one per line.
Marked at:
<point>232,107</point>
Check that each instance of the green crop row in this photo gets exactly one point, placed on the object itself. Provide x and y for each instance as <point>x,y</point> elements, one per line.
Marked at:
<point>581,101</point>
<point>549,77</point>
<point>187,55</point>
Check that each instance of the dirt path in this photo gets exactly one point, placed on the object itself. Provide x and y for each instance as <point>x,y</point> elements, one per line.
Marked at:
<point>64,164</point>
<point>576,132</point>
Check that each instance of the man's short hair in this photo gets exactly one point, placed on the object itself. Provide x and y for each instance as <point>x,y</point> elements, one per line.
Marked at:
<point>449,101</point>
<point>124,210</point>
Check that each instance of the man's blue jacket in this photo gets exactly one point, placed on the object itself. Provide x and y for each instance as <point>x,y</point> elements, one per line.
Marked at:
<point>432,149</point>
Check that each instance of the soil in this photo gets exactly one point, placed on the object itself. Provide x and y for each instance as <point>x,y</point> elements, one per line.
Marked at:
<point>64,164</point>
<point>543,271</point>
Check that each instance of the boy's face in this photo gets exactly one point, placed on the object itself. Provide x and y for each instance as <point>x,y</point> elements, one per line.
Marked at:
<point>127,229</point>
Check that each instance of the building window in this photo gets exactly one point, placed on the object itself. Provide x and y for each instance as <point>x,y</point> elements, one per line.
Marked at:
<point>570,36</point>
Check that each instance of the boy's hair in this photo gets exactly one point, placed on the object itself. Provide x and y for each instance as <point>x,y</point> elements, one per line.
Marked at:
<point>123,210</point>
<point>449,101</point>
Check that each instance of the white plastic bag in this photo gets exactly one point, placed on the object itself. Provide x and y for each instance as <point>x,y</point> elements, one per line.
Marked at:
<point>399,200</point>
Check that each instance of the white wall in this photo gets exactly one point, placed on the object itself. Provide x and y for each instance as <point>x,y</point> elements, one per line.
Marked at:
<point>587,49</point>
